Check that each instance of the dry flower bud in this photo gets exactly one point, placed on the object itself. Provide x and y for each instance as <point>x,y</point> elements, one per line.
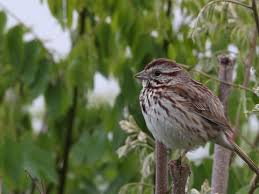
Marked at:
<point>122,151</point>
<point>142,136</point>
<point>256,91</point>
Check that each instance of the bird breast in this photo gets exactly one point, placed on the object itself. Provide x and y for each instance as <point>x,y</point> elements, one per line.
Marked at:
<point>168,121</point>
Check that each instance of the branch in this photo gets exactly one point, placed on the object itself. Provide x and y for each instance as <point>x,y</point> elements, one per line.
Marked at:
<point>249,59</point>
<point>203,9</point>
<point>256,142</point>
<point>255,13</point>
<point>224,82</point>
<point>1,185</point>
<point>49,188</point>
<point>222,156</point>
<point>161,169</point>
<point>71,115</point>
<point>33,185</point>
<point>68,141</point>
<point>254,184</point>
<point>218,80</point>
<point>248,65</point>
<point>167,40</point>
<point>36,184</point>
<point>180,173</point>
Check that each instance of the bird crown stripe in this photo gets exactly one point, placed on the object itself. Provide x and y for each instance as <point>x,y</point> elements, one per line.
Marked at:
<point>160,62</point>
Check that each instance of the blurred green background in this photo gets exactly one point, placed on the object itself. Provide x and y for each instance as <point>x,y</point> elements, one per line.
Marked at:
<point>76,145</point>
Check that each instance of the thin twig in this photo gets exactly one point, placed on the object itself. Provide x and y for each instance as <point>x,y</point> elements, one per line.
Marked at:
<point>255,13</point>
<point>247,141</point>
<point>125,187</point>
<point>49,188</point>
<point>256,142</point>
<point>231,1</point>
<point>224,82</point>
<point>71,115</point>
<point>254,184</point>
<point>138,183</point>
<point>203,9</point>
<point>216,79</point>
<point>35,183</point>
<point>254,7</point>
<point>250,58</point>
<point>167,39</point>
<point>248,65</point>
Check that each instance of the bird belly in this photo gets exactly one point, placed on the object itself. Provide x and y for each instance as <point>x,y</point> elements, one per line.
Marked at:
<point>165,127</point>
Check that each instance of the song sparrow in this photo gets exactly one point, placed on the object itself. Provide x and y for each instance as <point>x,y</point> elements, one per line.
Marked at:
<point>181,112</point>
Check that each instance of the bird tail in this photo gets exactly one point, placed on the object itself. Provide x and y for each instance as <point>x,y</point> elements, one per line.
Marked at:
<point>246,158</point>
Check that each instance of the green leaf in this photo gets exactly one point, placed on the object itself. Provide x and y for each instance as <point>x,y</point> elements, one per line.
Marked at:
<point>82,63</point>
<point>246,189</point>
<point>41,78</point>
<point>240,73</point>
<point>105,41</point>
<point>11,157</point>
<point>2,22</point>
<point>234,101</point>
<point>32,54</point>
<point>39,163</point>
<point>63,11</point>
<point>56,8</point>
<point>129,86</point>
<point>58,99</point>
<point>69,12</point>
<point>7,78</point>
<point>171,51</point>
<point>140,50</point>
<point>201,172</point>
<point>83,151</point>
<point>14,47</point>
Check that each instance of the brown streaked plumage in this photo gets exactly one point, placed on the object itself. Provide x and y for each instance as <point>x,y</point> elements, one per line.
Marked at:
<point>181,112</point>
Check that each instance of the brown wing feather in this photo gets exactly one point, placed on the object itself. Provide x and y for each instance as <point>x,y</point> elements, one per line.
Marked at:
<point>200,100</point>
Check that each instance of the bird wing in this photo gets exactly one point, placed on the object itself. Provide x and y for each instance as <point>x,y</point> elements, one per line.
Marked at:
<point>199,99</point>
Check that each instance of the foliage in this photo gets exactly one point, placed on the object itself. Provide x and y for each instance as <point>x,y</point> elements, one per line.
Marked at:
<point>114,38</point>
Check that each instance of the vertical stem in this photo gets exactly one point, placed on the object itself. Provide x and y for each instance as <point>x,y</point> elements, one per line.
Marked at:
<point>256,142</point>
<point>180,173</point>
<point>222,156</point>
<point>1,185</point>
<point>248,64</point>
<point>161,168</point>
<point>71,115</point>
<point>250,58</point>
<point>254,184</point>
<point>68,142</point>
<point>33,185</point>
<point>255,12</point>
<point>167,39</point>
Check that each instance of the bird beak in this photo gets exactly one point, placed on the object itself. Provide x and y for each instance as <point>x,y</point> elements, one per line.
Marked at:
<point>141,75</point>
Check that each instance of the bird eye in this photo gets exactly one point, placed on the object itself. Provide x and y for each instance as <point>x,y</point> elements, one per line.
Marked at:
<point>157,73</point>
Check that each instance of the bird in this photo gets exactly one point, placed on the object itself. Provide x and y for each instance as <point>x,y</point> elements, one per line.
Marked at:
<point>181,112</point>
